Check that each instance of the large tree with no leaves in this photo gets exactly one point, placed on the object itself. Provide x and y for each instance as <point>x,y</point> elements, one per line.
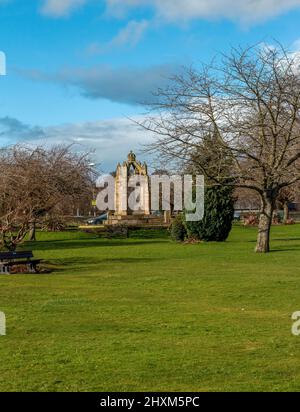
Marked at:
<point>36,181</point>
<point>249,102</point>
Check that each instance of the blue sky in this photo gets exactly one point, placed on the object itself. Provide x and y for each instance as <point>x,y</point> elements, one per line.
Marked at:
<point>77,69</point>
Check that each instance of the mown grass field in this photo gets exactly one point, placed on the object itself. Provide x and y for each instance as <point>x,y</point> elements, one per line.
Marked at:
<point>147,314</point>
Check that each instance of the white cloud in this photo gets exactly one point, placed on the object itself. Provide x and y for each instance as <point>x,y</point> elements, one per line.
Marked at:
<point>176,10</point>
<point>293,53</point>
<point>111,140</point>
<point>61,8</point>
<point>184,10</point>
<point>129,35</point>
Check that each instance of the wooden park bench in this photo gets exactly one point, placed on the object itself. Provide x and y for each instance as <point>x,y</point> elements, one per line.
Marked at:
<point>18,262</point>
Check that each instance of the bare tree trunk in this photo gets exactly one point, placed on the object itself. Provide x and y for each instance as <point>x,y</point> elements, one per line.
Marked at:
<point>286,212</point>
<point>264,226</point>
<point>32,233</point>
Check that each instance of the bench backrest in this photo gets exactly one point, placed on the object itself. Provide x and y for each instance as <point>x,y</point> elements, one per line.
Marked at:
<point>16,255</point>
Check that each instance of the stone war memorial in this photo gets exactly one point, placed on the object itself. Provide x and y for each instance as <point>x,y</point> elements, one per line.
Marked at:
<point>123,213</point>
<point>123,173</point>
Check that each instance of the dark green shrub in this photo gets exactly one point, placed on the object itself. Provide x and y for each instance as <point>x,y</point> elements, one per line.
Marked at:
<point>117,231</point>
<point>218,216</point>
<point>178,229</point>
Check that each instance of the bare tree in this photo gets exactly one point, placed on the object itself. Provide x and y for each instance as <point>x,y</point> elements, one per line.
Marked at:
<point>35,181</point>
<point>286,196</point>
<point>247,200</point>
<point>249,102</point>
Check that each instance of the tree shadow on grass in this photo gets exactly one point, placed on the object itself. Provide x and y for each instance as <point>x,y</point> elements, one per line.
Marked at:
<point>285,239</point>
<point>85,264</point>
<point>281,248</point>
<point>277,239</point>
<point>62,244</point>
<point>98,261</point>
<point>276,250</point>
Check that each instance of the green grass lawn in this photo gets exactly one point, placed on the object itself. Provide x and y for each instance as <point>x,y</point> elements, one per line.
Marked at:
<point>147,314</point>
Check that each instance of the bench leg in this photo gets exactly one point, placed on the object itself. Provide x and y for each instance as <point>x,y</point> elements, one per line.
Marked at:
<point>4,270</point>
<point>31,267</point>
